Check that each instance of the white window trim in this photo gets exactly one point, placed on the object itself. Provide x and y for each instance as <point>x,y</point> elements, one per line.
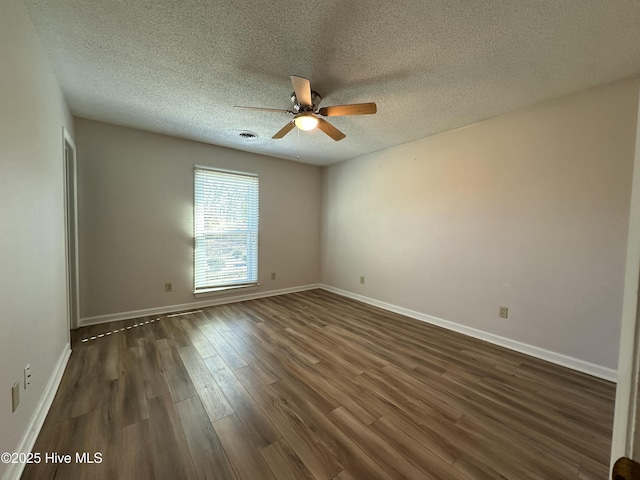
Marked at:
<point>219,291</point>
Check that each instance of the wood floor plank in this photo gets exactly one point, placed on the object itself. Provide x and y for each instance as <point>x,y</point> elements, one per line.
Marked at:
<point>343,475</point>
<point>171,456</point>
<point>132,331</point>
<point>592,471</point>
<point>536,461</point>
<point>338,367</point>
<point>135,458</point>
<point>58,438</point>
<point>325,352</point>
<point>301,376</point>
<point>262,367</point>
<point>318,344</point>
<point>131,398</point>
<point>270,359</point>
<point>356,352</point>
<point>314,453</point>
<point>346,451</point>
<point>174,330</point>
<point>407,394</point>
<point>376,344</point>
<point>244,333</point>
<point>233,339</point>
<point>107,363</point>
<point>226,351</point>
<point>81,394</point>
<point>390,460</point>
<point>429,463</point>
<point>197,338</point>
<point>345,385</point>
<point>214,401</point>
<point>107,421</point>
<point>284,462</point>
<point>520,436</point>
<point>247,462</point>
<point>536,426</point>
<point>339,396</point>
<point>78,435</point>
<point>180,383</point>
<point>297,348</point>
<point>434,433</point>
<point>154,379</point>
<point>476,469</point>
<point>255,422</point>
<point>207,453</point>
<point>221,317</point>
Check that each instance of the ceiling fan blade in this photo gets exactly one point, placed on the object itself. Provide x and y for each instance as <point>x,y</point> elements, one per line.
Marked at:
<point>330,130</point>
<point>284,130</point>
<point>353,109</point>
<point>277,110</point>
<point>302,87</point>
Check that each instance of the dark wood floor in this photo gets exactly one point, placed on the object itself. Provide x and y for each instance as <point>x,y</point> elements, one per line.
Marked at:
<point>315,386</point>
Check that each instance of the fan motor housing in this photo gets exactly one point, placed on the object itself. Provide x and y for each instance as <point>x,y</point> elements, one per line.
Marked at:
<point>315,100</point>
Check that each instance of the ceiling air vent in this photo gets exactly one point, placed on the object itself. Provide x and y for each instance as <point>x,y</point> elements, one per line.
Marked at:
<point>247,135</point>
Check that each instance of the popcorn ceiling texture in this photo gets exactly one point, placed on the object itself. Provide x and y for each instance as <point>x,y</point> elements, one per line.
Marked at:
<point>178,67</point>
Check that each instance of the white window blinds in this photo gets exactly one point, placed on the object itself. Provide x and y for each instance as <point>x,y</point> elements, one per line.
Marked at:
<point>226,213</point>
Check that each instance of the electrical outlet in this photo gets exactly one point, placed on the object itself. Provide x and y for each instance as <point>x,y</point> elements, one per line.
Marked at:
<point>504,312</point>
<point>15,396</point>
<point>27,376</point>
<point>362,280</point>
<point>273,275</point>
<point>168,287</point>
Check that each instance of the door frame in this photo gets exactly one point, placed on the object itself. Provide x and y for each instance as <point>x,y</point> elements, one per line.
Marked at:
<point>71,228</point>
<point>626,423</point>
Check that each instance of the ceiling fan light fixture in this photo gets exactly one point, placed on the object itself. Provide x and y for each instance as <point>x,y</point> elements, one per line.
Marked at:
<point>305,108</point>
<point>306,122</point>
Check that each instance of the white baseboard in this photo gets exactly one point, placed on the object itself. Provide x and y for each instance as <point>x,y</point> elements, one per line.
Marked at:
<point>554,357</point>
<point>114,317</point>
<point>14,471</point>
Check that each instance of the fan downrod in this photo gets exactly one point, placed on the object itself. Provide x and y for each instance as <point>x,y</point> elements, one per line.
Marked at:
<point>316,98</point>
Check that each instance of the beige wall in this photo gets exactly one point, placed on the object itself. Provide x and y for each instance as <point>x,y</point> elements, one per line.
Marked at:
<point>32,253</point>
<point>135,218</point>
<point>527,210</point>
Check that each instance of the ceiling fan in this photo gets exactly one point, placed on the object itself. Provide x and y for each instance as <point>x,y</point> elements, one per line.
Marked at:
<point>305,110</point>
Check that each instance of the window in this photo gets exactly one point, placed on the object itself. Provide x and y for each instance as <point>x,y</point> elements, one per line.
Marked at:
<point>225,218</point>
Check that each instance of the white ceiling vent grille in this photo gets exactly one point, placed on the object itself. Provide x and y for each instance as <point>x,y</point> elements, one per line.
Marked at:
<point>247,135</point>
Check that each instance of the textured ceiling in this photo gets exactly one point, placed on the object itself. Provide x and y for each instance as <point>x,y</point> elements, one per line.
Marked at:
<point>179,66</point>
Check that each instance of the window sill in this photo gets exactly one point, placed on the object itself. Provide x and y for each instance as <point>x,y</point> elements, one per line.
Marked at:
<point>212,292</point>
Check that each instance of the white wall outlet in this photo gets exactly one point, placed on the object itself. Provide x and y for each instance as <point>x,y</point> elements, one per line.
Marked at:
<point>504,312</point>
<point>15,396</point>
<point>27,376</point>
<point>168,287</point>
<point>273,275</point>
<point>362,280</point>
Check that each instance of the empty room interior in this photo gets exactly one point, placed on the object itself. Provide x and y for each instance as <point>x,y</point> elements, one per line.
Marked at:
<point>319,240</point>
